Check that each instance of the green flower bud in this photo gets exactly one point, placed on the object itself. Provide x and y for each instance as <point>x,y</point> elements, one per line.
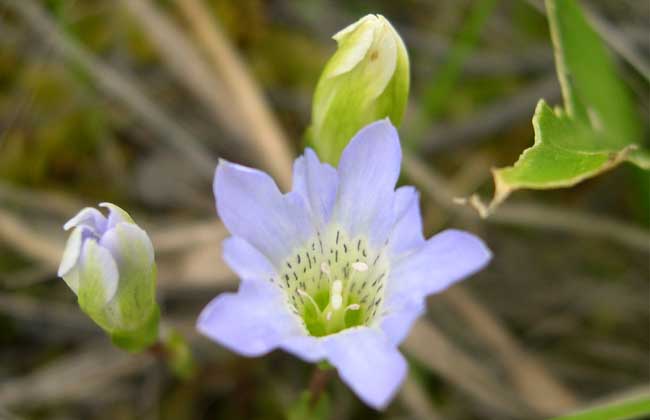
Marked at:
<point>367,79</point>
<point>109,263</point>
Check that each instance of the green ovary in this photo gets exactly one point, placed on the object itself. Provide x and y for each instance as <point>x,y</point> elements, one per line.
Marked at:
<point>334,282</point>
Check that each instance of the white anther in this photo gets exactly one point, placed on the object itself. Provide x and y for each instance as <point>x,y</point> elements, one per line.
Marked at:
<point>337,287</point>
<point>336,301</point>
<point>329,315</point>
<point>325,268</point>
<point>353,307</point>
<point>360,266</point>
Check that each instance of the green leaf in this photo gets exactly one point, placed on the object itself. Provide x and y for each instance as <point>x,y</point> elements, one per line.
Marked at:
<point>599,126</point>
<point>627,410</point>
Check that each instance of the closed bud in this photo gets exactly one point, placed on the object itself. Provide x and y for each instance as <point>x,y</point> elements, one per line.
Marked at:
<point>367,79</point>
<point>109,263</point>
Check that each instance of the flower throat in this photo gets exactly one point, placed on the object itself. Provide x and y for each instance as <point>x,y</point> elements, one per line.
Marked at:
<point>334,282</point>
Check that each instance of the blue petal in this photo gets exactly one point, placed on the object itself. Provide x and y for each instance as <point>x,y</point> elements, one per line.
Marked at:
<point>308,348</point>
<point>368,170</point>
<point>398,321</point>
<point>368,363</point>
<point>251,322</point>
<point>88,217</point>
<point>444,259</point>
<point>317,182</point>
<point>407,232</point>
<point>246,261</point>
<point>251,206</point>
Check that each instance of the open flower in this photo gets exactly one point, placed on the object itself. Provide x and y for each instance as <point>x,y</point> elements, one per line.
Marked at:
<point>338,268</point>
<point>109,263</point>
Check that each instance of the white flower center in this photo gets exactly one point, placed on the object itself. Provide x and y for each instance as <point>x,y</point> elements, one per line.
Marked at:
<point>334,282</point>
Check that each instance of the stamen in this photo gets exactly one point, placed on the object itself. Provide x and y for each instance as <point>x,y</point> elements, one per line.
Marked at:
<point>337,287</point>
<point>329,315</point>
<point>311,299</point>
<point>325,268</point>
<point>336,301</point>
<point>360,266</point>
<point>353,307</point>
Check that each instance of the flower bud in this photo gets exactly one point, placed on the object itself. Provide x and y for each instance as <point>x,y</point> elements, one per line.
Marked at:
<point>109,263</point>
<point>366,80</point>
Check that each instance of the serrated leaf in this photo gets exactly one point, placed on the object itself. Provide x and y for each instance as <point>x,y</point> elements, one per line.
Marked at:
<point>599,126</point>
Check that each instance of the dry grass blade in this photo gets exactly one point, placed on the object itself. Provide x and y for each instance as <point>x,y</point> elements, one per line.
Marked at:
<point>414,397</point>
<point>74,376</point>
<point>30,243</point>
<point>430,347</point>
<point>115,85</point>
<point>180,56</point>
<point>262,125</point>
<point>539,389</point>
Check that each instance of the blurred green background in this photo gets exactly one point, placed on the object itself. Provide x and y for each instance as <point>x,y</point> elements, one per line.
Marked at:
<point>131,102</point>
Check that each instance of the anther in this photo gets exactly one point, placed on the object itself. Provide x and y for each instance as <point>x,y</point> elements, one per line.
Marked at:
<point>360,266</point>
<point>325,268</point>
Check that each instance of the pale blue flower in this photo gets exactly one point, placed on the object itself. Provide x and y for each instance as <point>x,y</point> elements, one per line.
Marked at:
<point>338,268</point>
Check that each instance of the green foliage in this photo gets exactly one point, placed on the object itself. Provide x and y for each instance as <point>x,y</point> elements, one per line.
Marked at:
<point>627,410</point>
<point>599,126</point>
<point>440,88</point>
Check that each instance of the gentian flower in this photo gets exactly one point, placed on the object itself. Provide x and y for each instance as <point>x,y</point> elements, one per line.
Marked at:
<point>109,263</point>
<point>338,268</point>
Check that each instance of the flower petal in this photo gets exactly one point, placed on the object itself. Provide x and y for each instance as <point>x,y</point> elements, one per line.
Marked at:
<point>130,246</point>
<point>251,206</point>
<point>368,363</point>
<point>251,322</point>
<point>444,259</point>
<point>71,253</point>
<point>368,171</point>
<point>98,276</point>
<point>245,260</point>
<point>115,215</point>
<point>397,323</point>
<point>308,348</point>
<point>89,217</point>
<point>317,182</point>
<point>407,232</point>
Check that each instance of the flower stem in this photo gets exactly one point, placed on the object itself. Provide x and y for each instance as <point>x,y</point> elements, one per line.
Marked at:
<point>317,384</point>
<point>172,348</point>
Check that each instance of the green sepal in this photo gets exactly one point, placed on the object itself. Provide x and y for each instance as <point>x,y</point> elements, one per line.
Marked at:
<point>139,338</point>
